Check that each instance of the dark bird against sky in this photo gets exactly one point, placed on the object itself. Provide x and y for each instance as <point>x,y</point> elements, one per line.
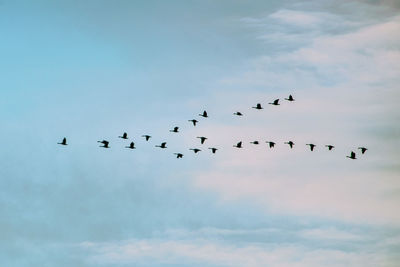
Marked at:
<point>124,136</point>
<point>238,145</point>
<point>204,114</point>
<point>147,137</point>
<point>202,139</point>
<point>131,146</point>
<point>163,145</point>
<point>194,122</point>
<point>63,142</point>
<point>275,103</point>
<point>290,143</point>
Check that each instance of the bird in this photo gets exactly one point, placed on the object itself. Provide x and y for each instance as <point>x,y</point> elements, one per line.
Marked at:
<point>205,115</point>
<point>271,144</point>
<point>290,143</point>
<point>363,149</point>
<point>213,149</point>
<point>194,122</point>
<point>275,103</point>
<point>258,106</point>
<point>290,98</point>
<point>131,146</point>
<point>105,143</point>
<point>311,146</point>
<point>175,130</point>
<point>178,155</point>
<point>147,137</point>
<point>237,113</point>
<point>202,139</point>
<point>64,142</point>
<point>238,145</point>
<point>163,145</point>
<point>330,147</point>
<point>195,150</point>
<point>352,155</point>
<point>254,143</point>
<point>124,136</point>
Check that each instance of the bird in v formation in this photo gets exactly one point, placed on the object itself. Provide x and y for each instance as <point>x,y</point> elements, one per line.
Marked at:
<point>105,143</point>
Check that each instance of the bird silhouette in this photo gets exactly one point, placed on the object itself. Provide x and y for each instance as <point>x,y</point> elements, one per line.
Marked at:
<point>237,113</point>
<point>275,103</point>
<point>213,149</point>
<point>254,143</point>
<point>175,130</point>
<point>290,143</point>
<point>131,146</point>
<point>330,147</point>
<point>311,146</point>
<point>202,139</point>
<point>205,115</point>
<point>124,136</point>
<point>178,155</point>
<point>63,142</point>
<point>258,106</point>
<point>271,144</point>
<point>290,98</point>
<point>147,137</point>
<point>238,145</point>
<point>195,150</point>
<point>352,155</point>
<point>105,143</point>
<point>194,122</point>
<point>363,149</point>
<point>163,145</point>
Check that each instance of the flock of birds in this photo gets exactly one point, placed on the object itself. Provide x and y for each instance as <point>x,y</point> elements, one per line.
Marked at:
<point>163,145</point>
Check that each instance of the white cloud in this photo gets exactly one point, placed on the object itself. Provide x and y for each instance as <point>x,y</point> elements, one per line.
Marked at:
<point>345,83</point>
<point>191,252</point>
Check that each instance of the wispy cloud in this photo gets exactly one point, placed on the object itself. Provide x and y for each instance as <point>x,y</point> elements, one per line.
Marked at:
<point>196,251</point>
<point>346,83</point>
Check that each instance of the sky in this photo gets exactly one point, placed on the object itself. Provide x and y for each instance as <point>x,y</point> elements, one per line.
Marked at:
<point>91,70</point>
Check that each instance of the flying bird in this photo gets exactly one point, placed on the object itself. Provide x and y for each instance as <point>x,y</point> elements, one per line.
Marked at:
<point>238,145</point>
<point>163,145</point>
<point>275,103</point>
<point>178,155</point>
<point>202,139</point>
<point>237,113</point>
<point>254,143</point>
<point>363,149</point>
<point>131,146</point>
<point>290,143</point>
<point>271,144</point>
<point>194,122</point>
<point>290,98</point>
<point>175,130</point>
<point>213,149</point>
<point>105,143</point>
<point>205,115</point>
<point>64,142</point>
<point>330,147</point>
<point>147,137</point>
<point>311,146</point>
<point>195,150</point>
<point>258,106</point>
<point>124,136</point>
<point>352,155</point>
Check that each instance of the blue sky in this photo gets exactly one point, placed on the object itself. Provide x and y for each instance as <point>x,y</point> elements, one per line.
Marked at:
<point>94,69</point>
